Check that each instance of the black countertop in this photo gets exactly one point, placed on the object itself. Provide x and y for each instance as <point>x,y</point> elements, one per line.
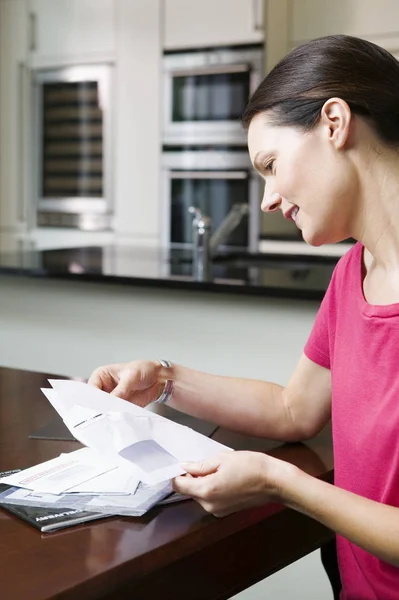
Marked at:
<point>305,277</point>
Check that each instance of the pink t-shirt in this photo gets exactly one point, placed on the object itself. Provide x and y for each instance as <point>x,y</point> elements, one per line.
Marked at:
<point>359,343</point>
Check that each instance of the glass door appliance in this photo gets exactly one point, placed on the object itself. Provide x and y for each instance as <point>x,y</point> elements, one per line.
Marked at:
<point>213,181</point>
<point>205,94</point>
<point>72,159</point>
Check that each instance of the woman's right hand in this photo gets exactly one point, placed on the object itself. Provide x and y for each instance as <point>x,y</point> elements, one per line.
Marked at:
<point>137,381</point>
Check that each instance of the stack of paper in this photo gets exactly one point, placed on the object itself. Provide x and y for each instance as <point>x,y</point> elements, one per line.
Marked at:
<point>131,456</point>
<point>81,480</point>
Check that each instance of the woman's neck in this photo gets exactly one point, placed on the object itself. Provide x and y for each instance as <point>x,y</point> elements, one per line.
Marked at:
<point>377,221</point>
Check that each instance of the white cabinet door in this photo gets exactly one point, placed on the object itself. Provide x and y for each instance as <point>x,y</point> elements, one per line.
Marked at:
<point>195,24</point>
<point>70,31</point>
<point>362,18</point>
<point>137,121</point>
<point>14,137</point>
<point>293,22</point>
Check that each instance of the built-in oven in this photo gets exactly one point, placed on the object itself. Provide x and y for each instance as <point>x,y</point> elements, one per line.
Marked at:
<point>213,181</point>
<point>72,147</point>
<point>205,94</point>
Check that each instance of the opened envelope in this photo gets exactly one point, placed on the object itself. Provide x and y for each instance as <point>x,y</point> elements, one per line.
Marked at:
<point>152,445</point>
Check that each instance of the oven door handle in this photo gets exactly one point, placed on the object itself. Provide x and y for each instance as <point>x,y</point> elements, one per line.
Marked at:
<point>212,70</point>
<point>208,174</point>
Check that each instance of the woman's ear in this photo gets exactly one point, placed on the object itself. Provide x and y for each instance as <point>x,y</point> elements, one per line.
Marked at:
<point>336,117</point>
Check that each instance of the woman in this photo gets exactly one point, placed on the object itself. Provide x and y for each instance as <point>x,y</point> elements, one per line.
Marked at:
<point>323,132</point>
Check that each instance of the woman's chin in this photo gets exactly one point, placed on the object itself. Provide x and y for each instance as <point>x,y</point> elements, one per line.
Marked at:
<point>314,238</point>
<point>322,237</point>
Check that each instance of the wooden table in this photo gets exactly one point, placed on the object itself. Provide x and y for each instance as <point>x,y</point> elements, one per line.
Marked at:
<point>172,553</point>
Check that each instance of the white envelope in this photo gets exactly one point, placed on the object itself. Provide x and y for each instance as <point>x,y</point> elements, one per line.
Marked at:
<point>152,445</point>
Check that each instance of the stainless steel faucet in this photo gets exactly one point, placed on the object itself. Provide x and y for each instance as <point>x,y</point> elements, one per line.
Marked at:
<point>205,244</point>
<point>202,226</point>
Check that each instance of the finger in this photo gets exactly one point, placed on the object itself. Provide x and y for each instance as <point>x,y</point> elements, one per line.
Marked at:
<point>95,379</point>
<point>120,391</point>
<point>200,469</point>
<point>186,485</point>
<point>127,384</point>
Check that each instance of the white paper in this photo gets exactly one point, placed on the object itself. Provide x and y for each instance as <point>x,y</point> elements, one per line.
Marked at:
<point>21,495</point>
<point>57,475</point>
<point>136,504</point>
<point>144,498</point>
<point>121,432</point>
<point>119,481</point>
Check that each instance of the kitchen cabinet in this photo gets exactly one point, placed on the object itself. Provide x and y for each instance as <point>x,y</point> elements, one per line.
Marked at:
<point>366,19</point>
<point>14,122</point>
<point>137,112</point>
<point>70,31</point>
<point>193,24</point>
<point>289,23</point>
<point>128,34</point>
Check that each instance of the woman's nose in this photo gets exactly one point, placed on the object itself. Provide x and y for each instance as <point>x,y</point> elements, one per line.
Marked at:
<point>270,202</point>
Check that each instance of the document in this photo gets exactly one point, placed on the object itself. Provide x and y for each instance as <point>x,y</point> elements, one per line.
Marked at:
<point>62,473</point>
<point>126,435</point>
<point>46,518</point>
<point>115,491</point>
<point>130,456</point>
<point>118,481</point>
<point>134,504</point>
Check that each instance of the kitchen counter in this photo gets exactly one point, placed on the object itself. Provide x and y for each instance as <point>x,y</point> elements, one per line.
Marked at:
<point>280,276</point>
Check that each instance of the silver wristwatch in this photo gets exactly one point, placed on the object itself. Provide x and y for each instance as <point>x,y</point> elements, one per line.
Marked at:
<point>168,390</point>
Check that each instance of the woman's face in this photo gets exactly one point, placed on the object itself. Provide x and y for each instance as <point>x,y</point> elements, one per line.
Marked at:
<point>306,177</point>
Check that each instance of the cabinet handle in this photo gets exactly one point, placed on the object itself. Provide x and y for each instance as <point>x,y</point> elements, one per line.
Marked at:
<point>208,175</point>
<point>211,70</point>
<point>257,15</point>
<point>32,32</point>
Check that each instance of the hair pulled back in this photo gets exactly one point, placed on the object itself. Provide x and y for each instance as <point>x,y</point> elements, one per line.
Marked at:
<point>363,74</point>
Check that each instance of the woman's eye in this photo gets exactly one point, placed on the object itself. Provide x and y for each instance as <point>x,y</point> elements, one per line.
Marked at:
<point>269,167</point>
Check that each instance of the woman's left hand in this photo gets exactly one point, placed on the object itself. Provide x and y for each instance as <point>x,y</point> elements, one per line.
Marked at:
<point>232,481</point>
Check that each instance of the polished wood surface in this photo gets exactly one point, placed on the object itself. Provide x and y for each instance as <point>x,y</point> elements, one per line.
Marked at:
<point>172,553</point>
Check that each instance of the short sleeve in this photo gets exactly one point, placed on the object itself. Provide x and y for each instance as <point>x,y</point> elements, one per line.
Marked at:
<point>317,348</point>
<point>320,347</point>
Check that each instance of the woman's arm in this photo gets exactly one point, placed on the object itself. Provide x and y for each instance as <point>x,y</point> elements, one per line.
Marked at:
<point>258,408</point>
<point>371,525</point>
<point>236,480</point>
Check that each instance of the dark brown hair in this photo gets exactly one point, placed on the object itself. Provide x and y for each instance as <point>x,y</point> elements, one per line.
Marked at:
<point>355,70</point>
